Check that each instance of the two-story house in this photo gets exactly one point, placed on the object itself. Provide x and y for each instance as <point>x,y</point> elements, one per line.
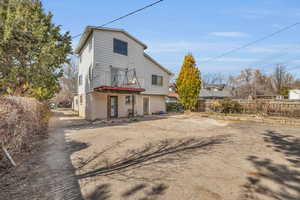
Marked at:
<point>116,77</point>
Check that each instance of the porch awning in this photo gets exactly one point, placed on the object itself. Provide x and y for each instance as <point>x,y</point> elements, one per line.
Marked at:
<point>112,89</point>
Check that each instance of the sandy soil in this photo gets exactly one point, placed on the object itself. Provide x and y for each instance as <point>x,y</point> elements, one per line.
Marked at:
<point>186,157</point>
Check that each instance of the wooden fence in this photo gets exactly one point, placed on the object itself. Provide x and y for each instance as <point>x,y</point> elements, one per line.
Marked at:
<point>286,108</point>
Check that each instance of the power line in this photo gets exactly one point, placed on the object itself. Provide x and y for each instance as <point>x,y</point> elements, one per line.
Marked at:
<point>253,42</point>
<point>124,16</point>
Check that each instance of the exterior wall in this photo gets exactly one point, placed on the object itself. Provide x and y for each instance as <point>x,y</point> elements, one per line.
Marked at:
<point>104,57</point>
<point>95,105</point>
<point>82,106</point>
<point>98,105</point>
<point>87,55</point>
<point>75,104</point>
<point>157,104</point>
<point>150,69</point>
<point>98,54</point>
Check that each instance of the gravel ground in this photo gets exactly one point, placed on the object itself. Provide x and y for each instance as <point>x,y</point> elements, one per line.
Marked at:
<point>187,157</point>
<point>160,157</point>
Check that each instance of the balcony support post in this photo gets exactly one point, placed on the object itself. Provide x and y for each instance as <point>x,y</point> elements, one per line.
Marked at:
<point>132,105</point>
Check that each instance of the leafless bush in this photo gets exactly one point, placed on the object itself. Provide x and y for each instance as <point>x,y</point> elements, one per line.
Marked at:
<point>20,120</point>
<point>282,108</point>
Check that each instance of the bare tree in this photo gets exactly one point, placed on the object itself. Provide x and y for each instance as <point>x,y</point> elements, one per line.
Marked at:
<point>282,78</point>
<point>68,82</point>
<point>214,78</point>
<point>262,83</point>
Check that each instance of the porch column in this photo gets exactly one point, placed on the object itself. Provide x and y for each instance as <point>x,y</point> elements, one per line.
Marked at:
<point>108,107</point>
<point>132,105</point>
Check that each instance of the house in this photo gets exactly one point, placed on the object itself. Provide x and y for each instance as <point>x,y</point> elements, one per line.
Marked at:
<point>172,97</point>
<point>294,94</point>
<point>116,77</point>
<point>215,91</point>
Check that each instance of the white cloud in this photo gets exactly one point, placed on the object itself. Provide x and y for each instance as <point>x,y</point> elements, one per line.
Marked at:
<point>229,34</point>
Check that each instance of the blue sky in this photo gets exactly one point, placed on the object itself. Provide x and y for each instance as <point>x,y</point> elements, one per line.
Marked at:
<point>173,28</point>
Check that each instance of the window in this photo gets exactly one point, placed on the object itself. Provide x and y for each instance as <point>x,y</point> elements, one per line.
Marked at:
<point>80,99</point>
<point>90,46</point>
<point>91,72</point>
<point>80,58</point>
<point>80,80</point>
<point>120,47</point>
<point>128,99</point>
<point>157,80</point>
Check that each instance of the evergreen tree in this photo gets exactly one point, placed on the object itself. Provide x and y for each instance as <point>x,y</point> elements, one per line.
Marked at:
<point>32,50</point>
<point>188,83</point>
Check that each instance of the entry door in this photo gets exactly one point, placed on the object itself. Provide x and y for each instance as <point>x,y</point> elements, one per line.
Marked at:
<point>146,105</point>
<point>113,101</point>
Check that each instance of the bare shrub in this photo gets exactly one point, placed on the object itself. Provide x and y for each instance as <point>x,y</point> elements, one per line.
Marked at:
<point>226,106</point>
<point>281,108</point>
<point>21,119</point>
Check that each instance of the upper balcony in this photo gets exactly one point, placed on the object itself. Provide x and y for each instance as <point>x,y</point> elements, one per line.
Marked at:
<point>117,80</point>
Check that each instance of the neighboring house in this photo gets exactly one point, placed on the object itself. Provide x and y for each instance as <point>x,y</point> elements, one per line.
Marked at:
<point>116,78</point>
<point>294,94</point>
<point>215,91</point>
<point>172,97</point>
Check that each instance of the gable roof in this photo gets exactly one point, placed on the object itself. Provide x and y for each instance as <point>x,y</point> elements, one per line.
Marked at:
<point>89,29</point>
<point>206,93</point>
<point>159,65</point>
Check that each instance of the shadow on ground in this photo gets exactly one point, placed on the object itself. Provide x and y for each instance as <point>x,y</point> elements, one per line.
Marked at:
<point>286,144</point>
<point>79,124</point>
<point>273,180</point>
<point>162,152</point>
<point>146,192</point>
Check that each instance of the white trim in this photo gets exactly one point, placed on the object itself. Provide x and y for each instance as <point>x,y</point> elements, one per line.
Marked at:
<point>89,29</point>
<point>146,97</point>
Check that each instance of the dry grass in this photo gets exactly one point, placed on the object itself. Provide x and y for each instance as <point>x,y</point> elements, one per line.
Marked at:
<point>21,119</point>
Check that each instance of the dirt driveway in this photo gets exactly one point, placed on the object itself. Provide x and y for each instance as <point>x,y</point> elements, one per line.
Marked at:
<point>186,158</point>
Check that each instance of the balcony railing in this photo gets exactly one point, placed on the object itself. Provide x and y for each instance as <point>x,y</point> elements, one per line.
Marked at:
<point>124,78</point>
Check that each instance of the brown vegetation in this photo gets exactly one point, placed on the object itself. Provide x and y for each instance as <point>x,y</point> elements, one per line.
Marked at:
<point>283,108</point>
<point>21,119</point>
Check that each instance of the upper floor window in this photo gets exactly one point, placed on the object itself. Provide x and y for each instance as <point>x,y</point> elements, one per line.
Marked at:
<point>157,80</point>
<point>80,99</point>
<point>80,58</point>
<point>80,80</point>
<point>90,46</point>
<point>91,72</point>
<point>120,47</point>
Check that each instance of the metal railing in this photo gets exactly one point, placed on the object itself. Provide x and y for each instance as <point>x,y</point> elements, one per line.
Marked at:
<point>126,78</point>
